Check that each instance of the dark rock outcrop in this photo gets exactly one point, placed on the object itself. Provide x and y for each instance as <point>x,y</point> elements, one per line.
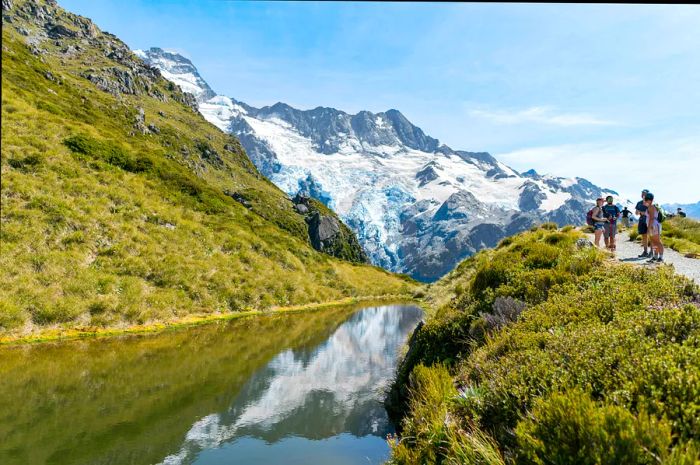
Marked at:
<point>426,175</point>
<point>531,197</point>
<point>327,233</point>
<point>323,230</point>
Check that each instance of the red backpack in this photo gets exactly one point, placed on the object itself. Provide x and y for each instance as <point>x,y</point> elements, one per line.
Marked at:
<point>589,217</point>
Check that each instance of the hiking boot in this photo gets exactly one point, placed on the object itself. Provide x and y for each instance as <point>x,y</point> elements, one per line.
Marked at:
<point>644,255</point>
<point>660,260</point>
<point>652,260</point>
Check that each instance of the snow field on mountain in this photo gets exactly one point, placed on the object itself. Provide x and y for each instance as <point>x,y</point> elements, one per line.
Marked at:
<point>219,110</point>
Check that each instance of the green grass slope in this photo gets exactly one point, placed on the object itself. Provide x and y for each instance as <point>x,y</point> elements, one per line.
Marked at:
<point>541,351</point>
<point>121,205</point>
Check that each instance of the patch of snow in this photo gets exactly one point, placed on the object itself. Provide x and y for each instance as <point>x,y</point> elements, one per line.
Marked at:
<point>554,200</point>
<point>219,110</point>
<point>567,182</point>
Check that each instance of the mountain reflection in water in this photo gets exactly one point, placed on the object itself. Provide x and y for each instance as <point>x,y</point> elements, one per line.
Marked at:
<point>315,393</point>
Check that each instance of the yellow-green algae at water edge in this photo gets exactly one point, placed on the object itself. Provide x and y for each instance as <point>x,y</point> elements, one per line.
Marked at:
<point>56,335</point>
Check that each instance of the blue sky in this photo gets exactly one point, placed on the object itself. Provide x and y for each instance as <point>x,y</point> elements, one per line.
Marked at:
<point>606,92</point>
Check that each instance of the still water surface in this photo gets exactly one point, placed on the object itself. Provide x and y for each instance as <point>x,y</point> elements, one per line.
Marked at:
<point>294,389</point>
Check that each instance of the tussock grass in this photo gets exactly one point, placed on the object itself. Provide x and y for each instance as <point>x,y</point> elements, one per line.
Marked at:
<point>682,235</point>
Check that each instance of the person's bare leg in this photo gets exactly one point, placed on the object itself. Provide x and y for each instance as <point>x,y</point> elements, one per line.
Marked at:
<point>598,233</point>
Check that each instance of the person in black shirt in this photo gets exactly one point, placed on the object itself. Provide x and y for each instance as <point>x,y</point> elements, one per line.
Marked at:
<point>641,211</point>
<point>680,212</point>
<point>626,217</point>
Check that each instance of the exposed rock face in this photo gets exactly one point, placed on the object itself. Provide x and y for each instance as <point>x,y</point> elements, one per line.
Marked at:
<point>326,232</point>
<point>210,155</point>
<point>531,197</point>
<point>240,198</point>
<point>47,26</point>
<point>322,229</point>
<point>457,207</point>
<point>140,121</point>
<point>427,174</point>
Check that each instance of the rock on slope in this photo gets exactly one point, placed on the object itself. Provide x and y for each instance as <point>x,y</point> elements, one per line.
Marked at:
<point>416,205</point>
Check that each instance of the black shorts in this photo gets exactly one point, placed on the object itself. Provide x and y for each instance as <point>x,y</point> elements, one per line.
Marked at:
<point>642,225</point>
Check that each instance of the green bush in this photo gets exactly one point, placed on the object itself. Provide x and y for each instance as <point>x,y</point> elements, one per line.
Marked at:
<point>490,275</point>
<point>506,241</point>
<point>108,152</point>
<point>571,429</point>
<point>556,238</point>
<point>11,315</point>
<point>540,255</point>
<point>27,163</point>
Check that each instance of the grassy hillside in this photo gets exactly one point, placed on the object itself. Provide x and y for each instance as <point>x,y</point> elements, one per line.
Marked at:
<point>122,205</point>
<point>543,352</point>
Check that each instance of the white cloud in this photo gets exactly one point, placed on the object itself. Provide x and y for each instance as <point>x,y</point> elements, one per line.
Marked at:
<point>667,167</point>
<point>541,115</point>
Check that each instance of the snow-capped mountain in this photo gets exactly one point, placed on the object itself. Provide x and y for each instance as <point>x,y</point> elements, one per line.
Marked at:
<point>417,206</point>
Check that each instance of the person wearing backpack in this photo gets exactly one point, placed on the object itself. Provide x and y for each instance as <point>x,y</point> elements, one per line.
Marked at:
<point>598,220</point>
<point>654,218</point>
<point>641,212</point>
<point>611,213</point>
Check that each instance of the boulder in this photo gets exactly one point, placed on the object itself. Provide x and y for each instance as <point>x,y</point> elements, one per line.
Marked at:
<point>322,230</point>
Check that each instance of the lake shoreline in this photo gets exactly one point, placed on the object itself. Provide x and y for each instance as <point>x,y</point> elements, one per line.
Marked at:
<point>68,334</point>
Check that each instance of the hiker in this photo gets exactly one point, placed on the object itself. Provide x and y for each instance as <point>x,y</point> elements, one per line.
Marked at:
<point>654,229</point>
<point>641,212</point>
<point>611,213</point>
<point>626,217</point>
<point>680,212</point>
<point>599,221</point>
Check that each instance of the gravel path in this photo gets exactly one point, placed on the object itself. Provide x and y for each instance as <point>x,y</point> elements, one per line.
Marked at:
<point>627,252</point>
